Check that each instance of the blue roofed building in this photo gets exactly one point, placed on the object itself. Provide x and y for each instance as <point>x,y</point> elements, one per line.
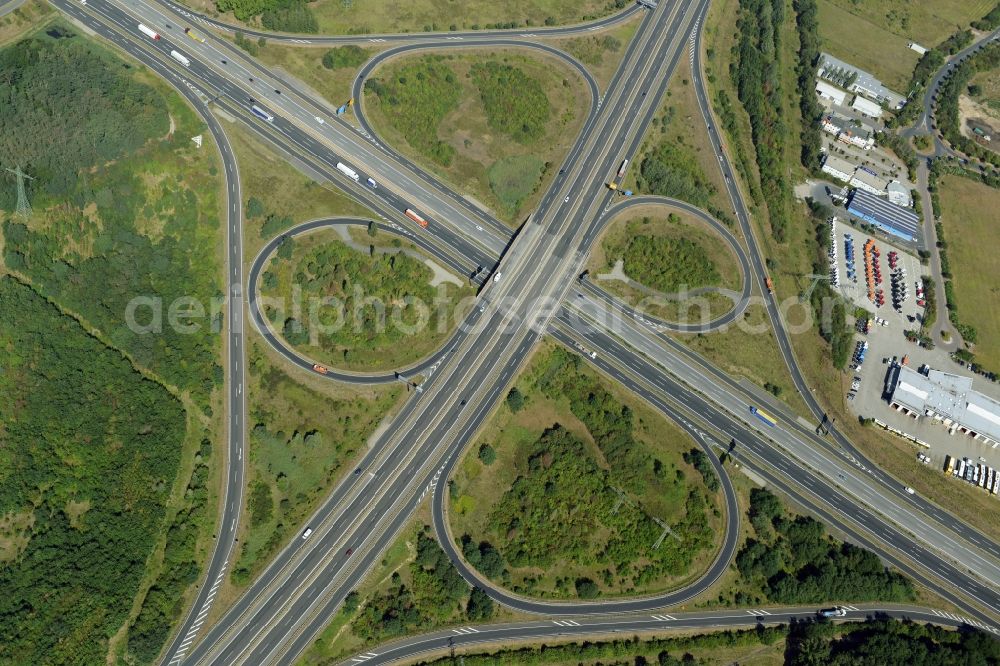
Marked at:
<point>885,215</point>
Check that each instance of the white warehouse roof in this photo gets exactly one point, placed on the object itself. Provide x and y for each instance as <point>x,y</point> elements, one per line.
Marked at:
<point>949,398</point>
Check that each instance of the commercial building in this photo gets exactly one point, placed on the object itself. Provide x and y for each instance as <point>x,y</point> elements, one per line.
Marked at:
<point>851,132</point>
<point>889,217</point>
<point>866,106</point>
<point>869,182</point>
<point>898,194</point>
<point>948,399</point>
<point>831,93</point>
<point>838,168</point>
<point>858,81</point>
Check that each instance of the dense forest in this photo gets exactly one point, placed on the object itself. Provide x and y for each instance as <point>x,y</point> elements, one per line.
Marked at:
<point>135,214</point>
<point>668,264</point>
<point>88,451</point>
<point>65,107</point>
<point>757,73</point>
<point>794,561</point>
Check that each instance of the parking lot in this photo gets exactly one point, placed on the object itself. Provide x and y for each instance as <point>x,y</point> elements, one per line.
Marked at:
<point>889,265</point>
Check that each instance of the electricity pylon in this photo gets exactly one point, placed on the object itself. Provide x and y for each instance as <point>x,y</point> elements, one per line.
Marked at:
<point>23,206</point>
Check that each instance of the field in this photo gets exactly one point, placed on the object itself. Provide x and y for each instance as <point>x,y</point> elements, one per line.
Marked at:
<point>493,123</point>
<point>601,51</point>
<point>927,23</point>
<point>304,434</point>
<point>968,212</point>
<point>988,96</point>
<point>336,17</point>
<point>555,453</point>
<point>667,254</point>
<point>27,16</point>
<point>852,35</point>
<point>355,309</point>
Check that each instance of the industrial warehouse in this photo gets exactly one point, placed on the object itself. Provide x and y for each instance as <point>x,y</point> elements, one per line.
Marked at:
<point>885,215</point>
<point>947,398</point>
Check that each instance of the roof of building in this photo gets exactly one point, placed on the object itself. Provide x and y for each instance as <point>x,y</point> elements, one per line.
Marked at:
<point>831,68</point>
<point>870,179</point>
<point>950,396</point>
<point>867,107</point>
<point>824,88</point>
<point>896,186</point>
<point>903,220</point>
<point>839,164</point>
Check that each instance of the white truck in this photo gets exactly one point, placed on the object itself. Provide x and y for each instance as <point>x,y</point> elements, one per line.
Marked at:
<point>181,58</point>
<point>149,32</point>
<point>347,171</point>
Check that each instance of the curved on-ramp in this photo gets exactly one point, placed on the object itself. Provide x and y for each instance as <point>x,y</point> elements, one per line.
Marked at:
<point>663,325</point>
<point>578,607</point>
<point>263,327</point>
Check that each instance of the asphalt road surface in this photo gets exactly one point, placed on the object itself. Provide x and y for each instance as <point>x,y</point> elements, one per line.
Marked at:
<point>466,640</point>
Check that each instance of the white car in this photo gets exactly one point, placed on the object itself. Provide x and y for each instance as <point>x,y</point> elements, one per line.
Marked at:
<point>496,278</point>
<point>305,535</point>
<point>910,491</point>
<point>320,120</point>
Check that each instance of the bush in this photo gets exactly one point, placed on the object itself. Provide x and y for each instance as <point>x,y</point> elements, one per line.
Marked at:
<point>515,400</point>
<point>345,56</point>
<point>290,16</point>
<point>586,588</point>
<point>480,606</point>
<point>255,207</point>
<point>487,454</point>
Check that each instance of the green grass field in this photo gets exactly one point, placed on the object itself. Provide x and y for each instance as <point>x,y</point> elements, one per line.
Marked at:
<point>865,42</point>
<point>336,17</point>
<point>968,213</point>
<point>927,23</point>
<point>463,117</point>
<point>503,502</point>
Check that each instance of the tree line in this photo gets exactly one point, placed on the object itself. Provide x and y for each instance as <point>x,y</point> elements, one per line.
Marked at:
<point>757,74</point>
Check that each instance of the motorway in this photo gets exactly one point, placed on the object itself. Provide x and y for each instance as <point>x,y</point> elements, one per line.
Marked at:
<point>308,579</point>
<point>461,392</point>
<point>491,637</point>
